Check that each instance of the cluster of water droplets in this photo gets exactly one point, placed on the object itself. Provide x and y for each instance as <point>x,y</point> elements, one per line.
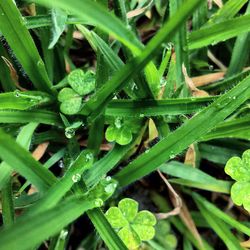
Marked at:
<point>76,178</point>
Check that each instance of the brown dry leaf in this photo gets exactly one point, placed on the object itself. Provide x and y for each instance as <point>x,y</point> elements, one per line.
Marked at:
<point>103,147</point>
<point>207,79</point>
<point>219,3</point>
<point>245,244</point>
<point>13,73</point>
<point>40,150</point>
<point>180,209</point>
<point>195,91</point>
<point>139,11</point>
<point>190,157</point>
<point>188,221</point>
<point>175,198</point>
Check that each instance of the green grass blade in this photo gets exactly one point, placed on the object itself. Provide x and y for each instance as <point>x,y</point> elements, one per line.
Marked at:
<point>61,187</point>
<point>31,230</point>
<point>99,17</point>
<point>13,28</point>
<point>219,32</point>
<point>24,139</point>
<point>180,42</point>
<point>240,52</point>
<point>105,93</point>
<point>236,128</point>
<point>156,108</point>
<point>221,229</point>
<point>220,214</point>
<point>23,100</point>
<point>188,133</point>
<point>105,230</point>
<point>228,11</point>
<point>7,204</point>
<point>194,177</point>
<point>23,162</point>
<point>39,116</point>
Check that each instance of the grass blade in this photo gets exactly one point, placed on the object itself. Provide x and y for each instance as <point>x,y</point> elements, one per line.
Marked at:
<point>22,161</point>
<point>189,132</point>
<point>13,28</point>
<point>31,230</point>
<point>219,32</point>
<point>106,232</point>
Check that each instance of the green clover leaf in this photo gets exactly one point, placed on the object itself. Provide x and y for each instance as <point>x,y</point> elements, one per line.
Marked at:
<point>70,101</point>
<point>132,227</point>
<point>121,130</point>
<point>82,83</point>
<point>239,170</point>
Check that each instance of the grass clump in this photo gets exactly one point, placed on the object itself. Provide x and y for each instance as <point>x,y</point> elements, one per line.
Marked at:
<point>135,103</point>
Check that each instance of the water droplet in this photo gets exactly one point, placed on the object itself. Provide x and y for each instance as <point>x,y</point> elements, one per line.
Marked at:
<point>110,188</point>
<point>76,178</point>
<point>146,151</point>
<point>142,115</point>
<point>234,97</point>
<point>17,93</point>
<point>99,202</point>
<point>118,123</point>
<point>211,67</point>
<point>89,156</point>
<point>108,178</point>
<point>61,164</point>
<point>69,133</point>
<point>63,234</point>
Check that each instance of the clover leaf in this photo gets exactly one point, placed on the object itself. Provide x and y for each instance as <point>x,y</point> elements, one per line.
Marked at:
<point>132,226</point>
<point>121,130</point>
<point>70,101</point>
<point>239,170</point>
<point>82,83</point>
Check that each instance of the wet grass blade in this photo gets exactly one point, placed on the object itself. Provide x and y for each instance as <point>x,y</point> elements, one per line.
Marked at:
<point>104,94</point>
<point>24,139</point>
<point>31,230</point>
<point>219,32</point>
<point>13,28</point>
<point>105,230</point>
<point>39,116</point>
<point>188,133</point>
<point>156,108</point>
<point>22,161</point>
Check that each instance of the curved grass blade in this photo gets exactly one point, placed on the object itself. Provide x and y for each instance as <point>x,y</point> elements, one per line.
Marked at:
<point>98,16</point>
<point>24,139</point>
<point>39,116</point>
<point>31,230</point>
<point>194,177</point>
<point>23,162</point>
<point>220,214</point>
<point>219,32</point>
<point>188,133</point>
<point>13,28</point>
<point>104,94</point>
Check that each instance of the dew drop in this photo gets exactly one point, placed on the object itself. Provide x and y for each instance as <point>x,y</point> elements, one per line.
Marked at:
<point>110,188</point>
<point>69,133</point>
<point>142,115</point>
<point>211,67</point>
<point>63,234</point>
<point>118,123</point>
<point>76,178</point>
<point>17,93</point>
<point>108,178</point>
<point>99,202</point>
<point>89,156</point>
<point>61,164</point>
